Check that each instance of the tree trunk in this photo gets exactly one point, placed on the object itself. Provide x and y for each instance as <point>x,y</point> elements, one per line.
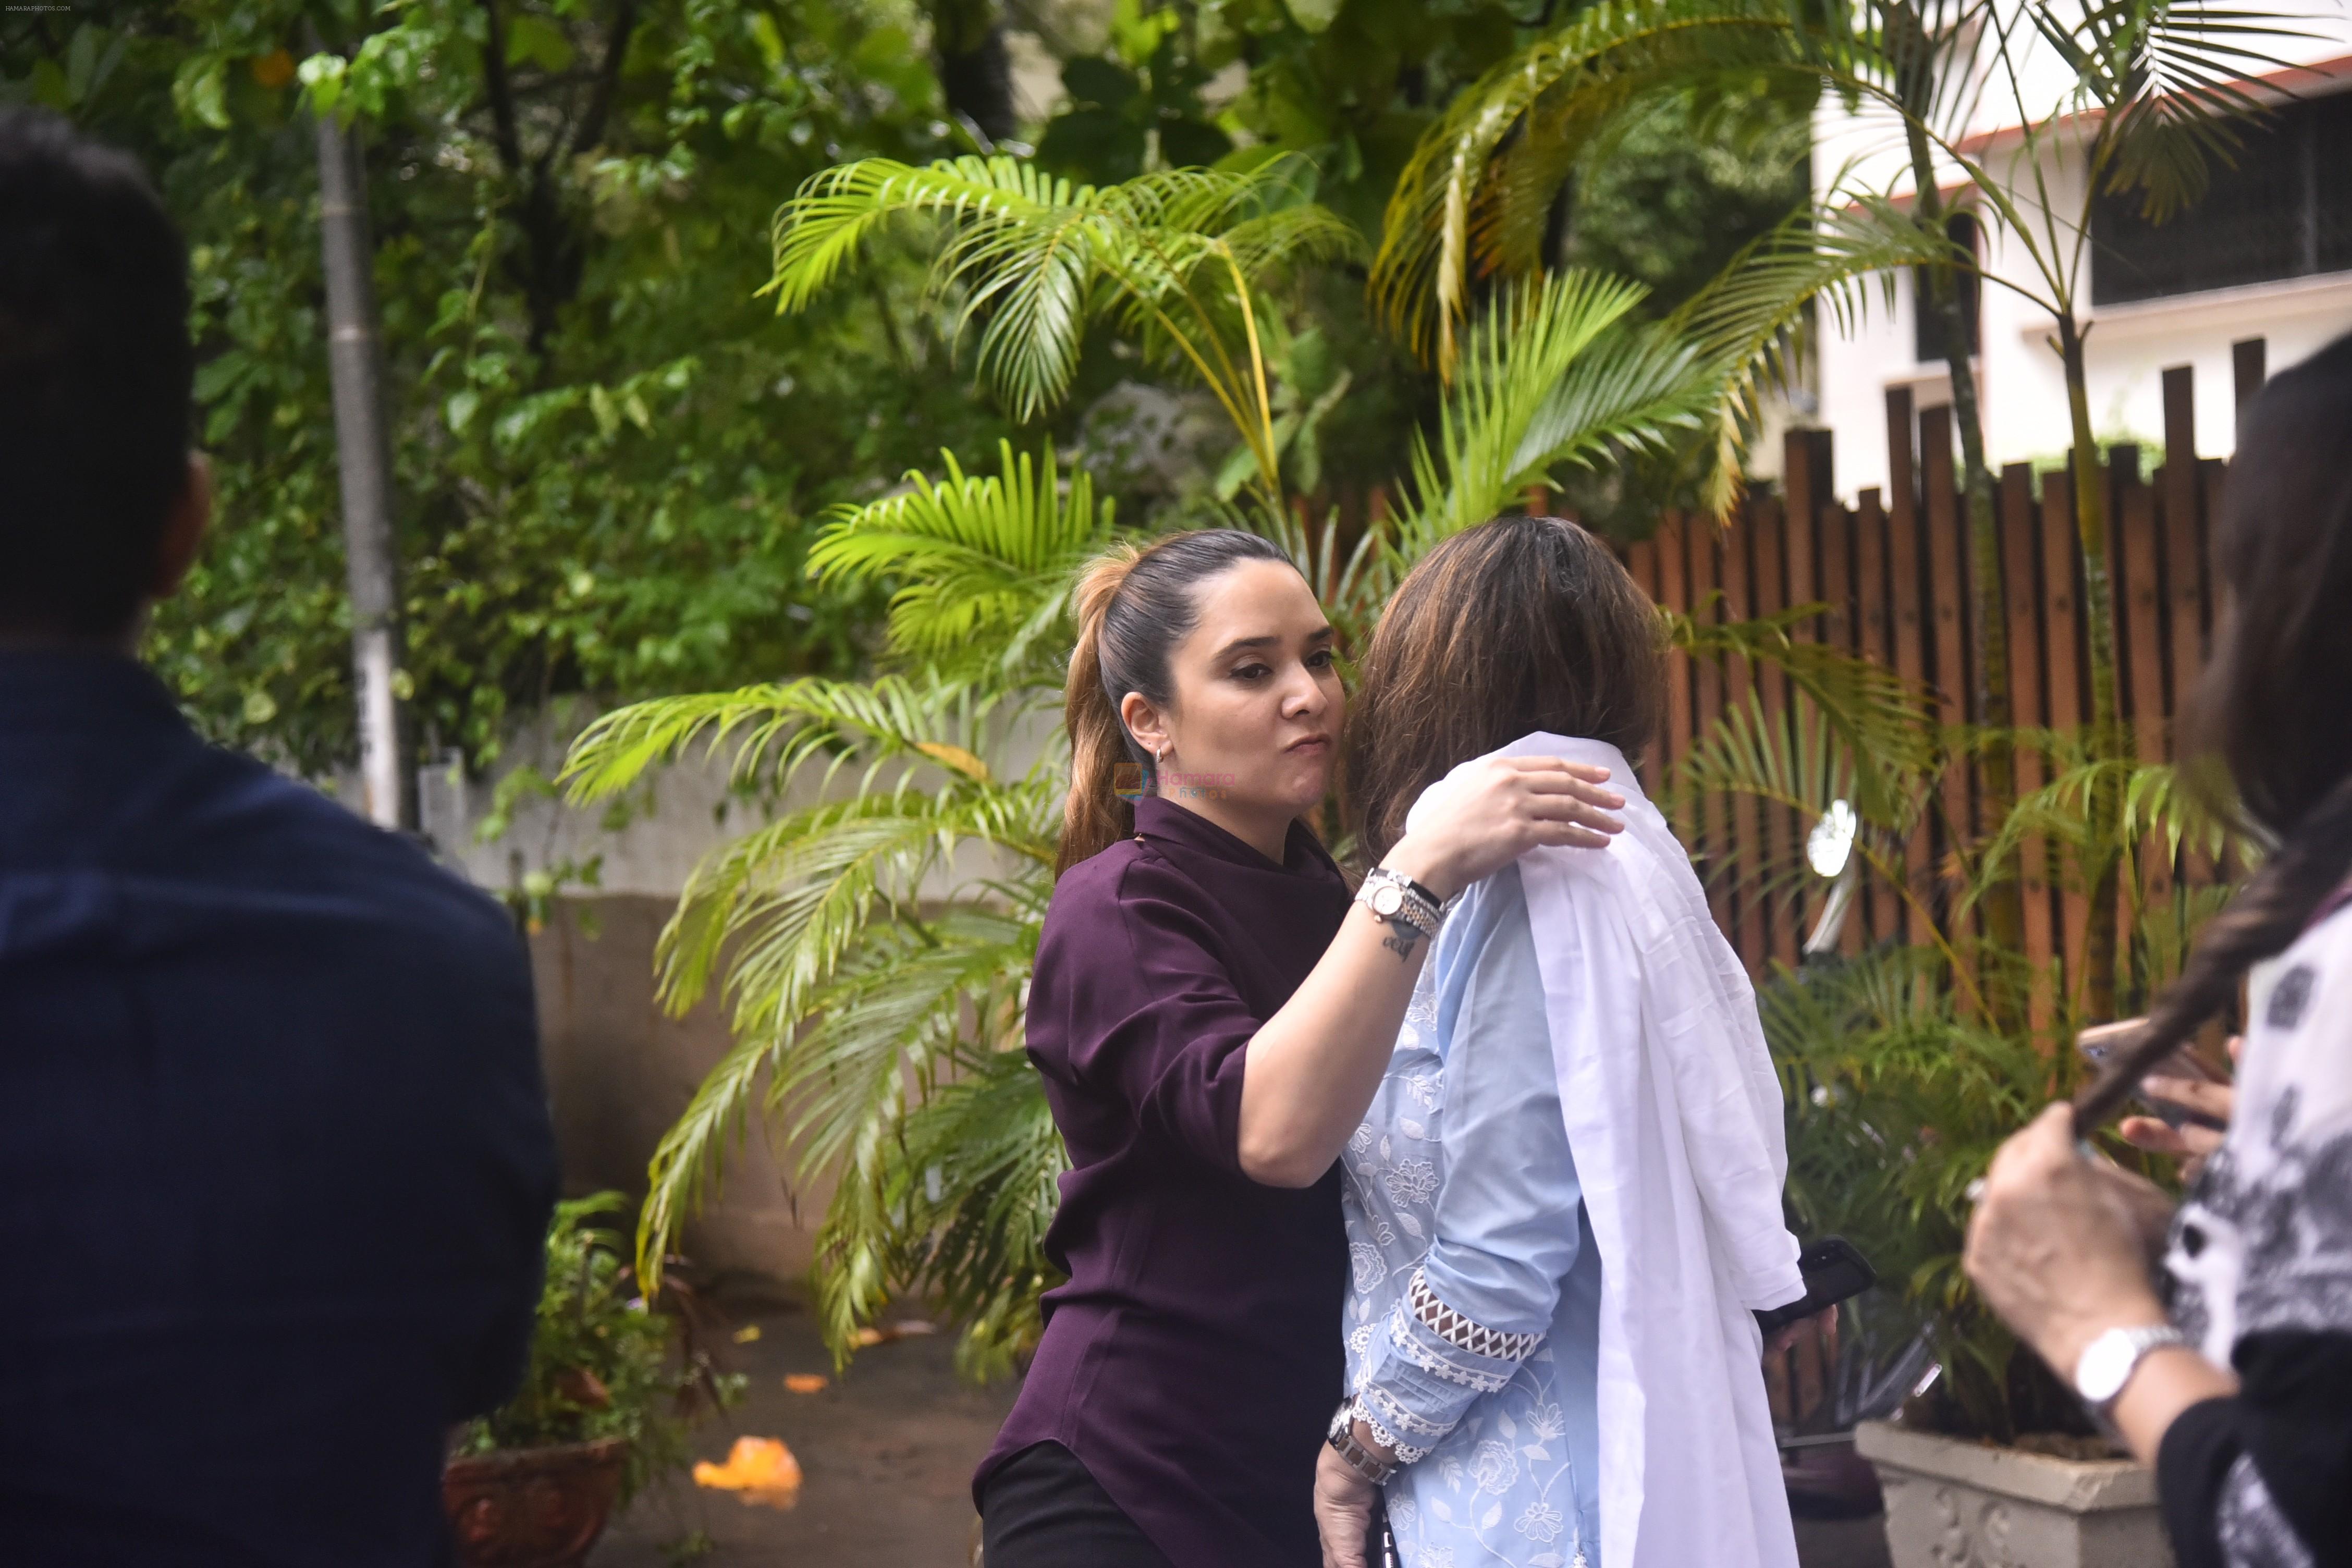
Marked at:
<point>363,452</point>
<point>2004,903</point>
<point>2099,944</point>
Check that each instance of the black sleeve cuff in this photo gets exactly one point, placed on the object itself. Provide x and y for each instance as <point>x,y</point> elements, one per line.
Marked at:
<point>2198,1450</point>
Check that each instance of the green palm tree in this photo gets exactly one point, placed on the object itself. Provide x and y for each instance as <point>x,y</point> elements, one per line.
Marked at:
<point>873,944</point>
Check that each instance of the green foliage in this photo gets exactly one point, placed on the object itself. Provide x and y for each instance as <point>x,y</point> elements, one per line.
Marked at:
<point>1477,191</point>
<point>1176,257</point>
<point>610,458</point>
<point>995,555</point>
<point>1690,178</point>
<point>1552,376</point>
<point>1897,1101</point>
<point>601,1361</point>
<point>843,985</point>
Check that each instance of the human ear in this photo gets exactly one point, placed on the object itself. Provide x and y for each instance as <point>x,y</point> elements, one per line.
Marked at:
<point>1147,723</point>
<point>184,529</point>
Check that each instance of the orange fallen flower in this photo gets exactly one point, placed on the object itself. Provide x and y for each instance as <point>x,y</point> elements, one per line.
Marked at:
<point>806,1382</point>
<point>905,1329</point>
<point>762,1469</point>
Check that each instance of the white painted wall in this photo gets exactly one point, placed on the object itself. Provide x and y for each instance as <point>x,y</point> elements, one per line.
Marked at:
<point>2019,374</point>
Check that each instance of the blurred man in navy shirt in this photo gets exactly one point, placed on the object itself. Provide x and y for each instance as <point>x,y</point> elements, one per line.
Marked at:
<point>275,1156</point>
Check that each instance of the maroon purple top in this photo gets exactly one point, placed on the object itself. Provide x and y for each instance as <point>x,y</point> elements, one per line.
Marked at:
<point>1193,1361</point>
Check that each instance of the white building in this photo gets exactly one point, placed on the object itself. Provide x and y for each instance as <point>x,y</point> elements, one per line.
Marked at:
<point>2267,255</point>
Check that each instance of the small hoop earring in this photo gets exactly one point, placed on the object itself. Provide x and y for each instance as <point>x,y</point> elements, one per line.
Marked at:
<point>1160,755</point>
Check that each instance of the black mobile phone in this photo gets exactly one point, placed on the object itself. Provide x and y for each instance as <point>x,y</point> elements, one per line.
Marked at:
<point>1834,1271</point>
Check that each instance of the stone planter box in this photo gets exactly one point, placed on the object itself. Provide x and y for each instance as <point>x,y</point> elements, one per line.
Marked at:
<point>1956,1504</point>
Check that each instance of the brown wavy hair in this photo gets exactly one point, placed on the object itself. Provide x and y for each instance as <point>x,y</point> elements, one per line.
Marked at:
<point>1134,605</point>
<point>1518,625</point>
<point>2276,699</point>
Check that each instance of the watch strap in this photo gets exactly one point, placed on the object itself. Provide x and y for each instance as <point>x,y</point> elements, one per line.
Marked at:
<point>1343,1441</point>
<point>2142,1341</point>
<point>1416,906</point>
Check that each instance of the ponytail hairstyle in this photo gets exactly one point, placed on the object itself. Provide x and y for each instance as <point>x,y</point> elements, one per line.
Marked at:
<point>2275,700</point>
<point>1134,605</point>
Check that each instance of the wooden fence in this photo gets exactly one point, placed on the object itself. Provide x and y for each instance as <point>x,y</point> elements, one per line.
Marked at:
<point>1896,573</point>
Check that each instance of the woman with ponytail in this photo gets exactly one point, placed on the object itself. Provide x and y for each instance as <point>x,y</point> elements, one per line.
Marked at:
<point>1210,1014</point>
<point>2240,1394</point>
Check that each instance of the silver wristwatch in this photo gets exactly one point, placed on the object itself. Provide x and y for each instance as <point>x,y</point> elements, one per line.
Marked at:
<point>2109,1361</point>
<point>1341,1439</point>
<point>1393,897</point>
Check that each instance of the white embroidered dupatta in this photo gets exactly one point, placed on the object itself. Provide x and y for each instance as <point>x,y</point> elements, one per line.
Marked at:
<point>1673,1117</point>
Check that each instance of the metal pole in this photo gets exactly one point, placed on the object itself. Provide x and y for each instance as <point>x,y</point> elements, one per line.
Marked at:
<point>364,449</point>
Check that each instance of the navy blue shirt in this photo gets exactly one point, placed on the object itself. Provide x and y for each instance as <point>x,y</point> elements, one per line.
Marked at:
<point>275,1153</point>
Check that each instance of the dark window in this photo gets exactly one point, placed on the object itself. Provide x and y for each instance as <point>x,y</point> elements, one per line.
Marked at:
<point>2280,208</point>
<point>1926,322</point>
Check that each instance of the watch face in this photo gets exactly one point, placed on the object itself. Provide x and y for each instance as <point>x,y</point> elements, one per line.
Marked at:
<point>2106,1363</point>
<point>1387,899</point>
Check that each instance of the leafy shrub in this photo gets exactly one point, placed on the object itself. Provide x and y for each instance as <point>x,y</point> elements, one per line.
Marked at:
<point>600,1360</point>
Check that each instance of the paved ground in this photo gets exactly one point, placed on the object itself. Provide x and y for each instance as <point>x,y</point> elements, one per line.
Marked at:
<point>886,1453</point>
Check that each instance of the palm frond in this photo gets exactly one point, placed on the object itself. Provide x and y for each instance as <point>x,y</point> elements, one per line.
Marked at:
<point>1746,322</point>
<point>2170,79</point>
<point>1038,259</point>
<point>1578,77</point>
<point>980,1181</point>
<point>775,729</point>
<point>1552,375</point>
<point>1884,724</point>
<point>984,561</point>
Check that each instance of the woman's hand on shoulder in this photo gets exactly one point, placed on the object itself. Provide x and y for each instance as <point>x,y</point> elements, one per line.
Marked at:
<point>1484,815</point>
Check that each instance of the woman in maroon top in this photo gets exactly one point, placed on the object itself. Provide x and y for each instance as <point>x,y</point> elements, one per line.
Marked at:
<point>1210,1019</point>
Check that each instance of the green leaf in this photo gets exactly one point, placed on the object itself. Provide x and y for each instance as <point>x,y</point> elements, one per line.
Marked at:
<point>322,76</point>
<point>534,40</point>
<point>81,61</point>
<point>1315,16</point>
<point>200,89</point>
<point>459,410</point>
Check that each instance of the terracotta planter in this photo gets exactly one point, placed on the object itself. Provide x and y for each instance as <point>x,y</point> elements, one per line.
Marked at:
<point>533,1507</point>
<point>1957,1504</point>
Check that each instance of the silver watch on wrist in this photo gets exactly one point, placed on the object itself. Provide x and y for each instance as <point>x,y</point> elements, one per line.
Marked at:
<point>1394,896</point>
<point>2108,1362</point>
<point>1341,1440</point>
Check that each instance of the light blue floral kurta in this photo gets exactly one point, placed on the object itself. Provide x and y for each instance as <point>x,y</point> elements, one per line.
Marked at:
<point>1473,1321</point>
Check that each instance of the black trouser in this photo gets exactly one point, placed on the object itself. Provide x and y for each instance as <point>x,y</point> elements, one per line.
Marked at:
<point>1042,1510</point>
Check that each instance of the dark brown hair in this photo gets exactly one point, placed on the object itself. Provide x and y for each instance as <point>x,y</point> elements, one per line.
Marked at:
<point>2275,700</point>
<point>96,364</point>
<point>1134,605</point>
<point>1518,624</point>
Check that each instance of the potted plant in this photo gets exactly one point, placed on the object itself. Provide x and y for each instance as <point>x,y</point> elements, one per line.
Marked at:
<point>1898,1098</point>
<point>603,1410</point>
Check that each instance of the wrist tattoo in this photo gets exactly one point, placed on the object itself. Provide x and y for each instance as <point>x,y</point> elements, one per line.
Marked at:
<point>1402,937</point>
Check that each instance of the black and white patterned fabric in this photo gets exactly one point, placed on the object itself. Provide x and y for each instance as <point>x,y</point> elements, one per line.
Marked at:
<point>2261,1262</point>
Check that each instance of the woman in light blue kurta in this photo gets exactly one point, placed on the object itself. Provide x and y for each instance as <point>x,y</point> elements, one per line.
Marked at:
<point>1565,1207</point>
<point>1473,1320</point>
